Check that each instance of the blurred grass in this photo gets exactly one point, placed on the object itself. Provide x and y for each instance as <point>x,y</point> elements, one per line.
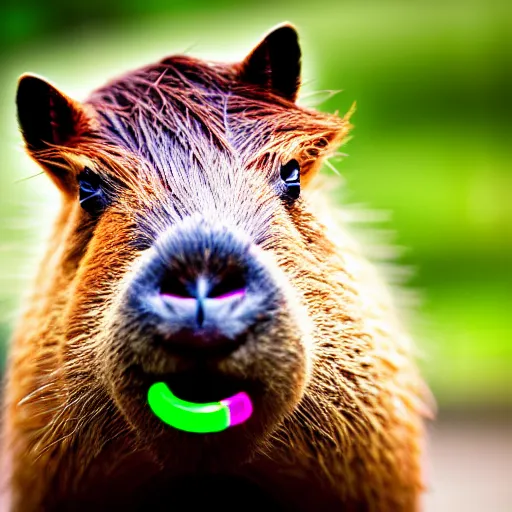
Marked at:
<point>432,141</point>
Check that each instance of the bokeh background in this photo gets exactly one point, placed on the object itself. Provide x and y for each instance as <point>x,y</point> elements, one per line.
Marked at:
<point>431,152</point>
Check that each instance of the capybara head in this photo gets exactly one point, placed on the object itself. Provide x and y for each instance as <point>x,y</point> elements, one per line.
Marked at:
<point>190,255</point>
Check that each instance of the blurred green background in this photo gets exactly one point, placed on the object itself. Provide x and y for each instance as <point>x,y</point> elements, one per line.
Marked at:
<point>431,146</point>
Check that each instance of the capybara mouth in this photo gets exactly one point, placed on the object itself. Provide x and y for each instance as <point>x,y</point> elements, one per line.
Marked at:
<point>204,386</point>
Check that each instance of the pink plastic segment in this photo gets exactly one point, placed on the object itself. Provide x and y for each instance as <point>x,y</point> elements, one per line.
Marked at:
<point>240,408</point>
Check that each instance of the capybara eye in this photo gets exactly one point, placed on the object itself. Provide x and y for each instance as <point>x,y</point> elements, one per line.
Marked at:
<point>290,174</point>
<point>91,194</point>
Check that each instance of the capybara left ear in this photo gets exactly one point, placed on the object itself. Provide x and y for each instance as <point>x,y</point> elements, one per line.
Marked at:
<point>46,116</point>
<point>274,63</point>
<point>50,122</point>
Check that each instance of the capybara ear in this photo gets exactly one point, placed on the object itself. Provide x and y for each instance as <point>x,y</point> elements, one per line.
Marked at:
<point>47,117</point>
<point>50,122</point>
<point>275,63</point>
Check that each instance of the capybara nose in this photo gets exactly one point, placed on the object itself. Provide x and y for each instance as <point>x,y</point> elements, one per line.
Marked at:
<point>231,284</point>
<point>205,291</point>
<point>202,310</point>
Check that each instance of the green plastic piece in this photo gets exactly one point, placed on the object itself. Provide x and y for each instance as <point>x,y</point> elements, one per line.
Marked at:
<point>187,416</point>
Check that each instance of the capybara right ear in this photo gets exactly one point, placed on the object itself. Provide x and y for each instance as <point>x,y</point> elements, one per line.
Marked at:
<point>274,63</point>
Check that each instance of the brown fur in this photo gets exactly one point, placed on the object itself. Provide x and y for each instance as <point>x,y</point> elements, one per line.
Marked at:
<point>349,433</point>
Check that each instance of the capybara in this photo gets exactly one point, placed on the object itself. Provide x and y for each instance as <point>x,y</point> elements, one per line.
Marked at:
<point>195,248</point>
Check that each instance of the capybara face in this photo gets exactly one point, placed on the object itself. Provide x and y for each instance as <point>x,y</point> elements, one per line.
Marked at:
<point>189,250</point>
<point>195,296</point>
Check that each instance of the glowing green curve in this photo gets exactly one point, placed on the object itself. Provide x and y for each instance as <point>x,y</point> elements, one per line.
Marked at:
<point>187,416</point>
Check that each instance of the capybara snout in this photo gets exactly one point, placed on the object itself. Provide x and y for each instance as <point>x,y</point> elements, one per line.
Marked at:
<point>200,291</point>
<point>204,308</point>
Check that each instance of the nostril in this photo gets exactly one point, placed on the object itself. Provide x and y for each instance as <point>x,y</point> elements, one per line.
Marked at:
<point>173,286</point>
<point>227,284</point>
<point>230,284</point>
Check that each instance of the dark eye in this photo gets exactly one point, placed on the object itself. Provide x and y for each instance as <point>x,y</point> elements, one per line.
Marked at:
<point>93,198</point>
<point>290,174</point>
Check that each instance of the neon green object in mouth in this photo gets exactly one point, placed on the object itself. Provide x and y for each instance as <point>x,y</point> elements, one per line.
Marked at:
<point>198,418</point>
